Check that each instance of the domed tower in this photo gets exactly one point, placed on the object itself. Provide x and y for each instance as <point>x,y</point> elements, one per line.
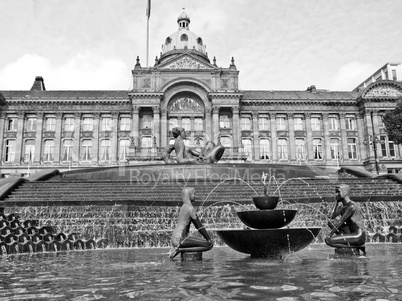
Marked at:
<point>182,41</point>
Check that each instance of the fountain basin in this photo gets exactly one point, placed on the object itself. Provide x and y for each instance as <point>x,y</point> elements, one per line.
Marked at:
<point>268,243</point>
<point>267,219</point>
<point>265,202</point>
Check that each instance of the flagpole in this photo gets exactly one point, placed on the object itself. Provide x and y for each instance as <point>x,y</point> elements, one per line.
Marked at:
<point>148,13</point>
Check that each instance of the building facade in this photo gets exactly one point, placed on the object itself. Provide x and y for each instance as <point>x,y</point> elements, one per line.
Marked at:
<point>79,129</point>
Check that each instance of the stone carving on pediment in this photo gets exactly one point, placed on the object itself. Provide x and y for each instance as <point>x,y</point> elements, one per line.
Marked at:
<point>146,83</point>
<point>185,104</point>
<point>224,83</point>
<point>107,134</point>
<point>48,134</point>
<point>186,63</point>
<point>86,134</point>
<point>10,134</point>
<point>29,134</point>
<point>67,134</point>
<point>383,91</point>
<point>21,115</point>
<point>123,134</point>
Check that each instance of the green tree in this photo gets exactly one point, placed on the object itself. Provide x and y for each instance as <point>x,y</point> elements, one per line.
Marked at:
<point>393,123</point>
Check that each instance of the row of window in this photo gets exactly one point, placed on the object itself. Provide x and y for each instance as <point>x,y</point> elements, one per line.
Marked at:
<point>281,123</point>
<point>66,155</point>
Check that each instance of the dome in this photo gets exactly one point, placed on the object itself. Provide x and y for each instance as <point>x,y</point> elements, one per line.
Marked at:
<point>183,40</point>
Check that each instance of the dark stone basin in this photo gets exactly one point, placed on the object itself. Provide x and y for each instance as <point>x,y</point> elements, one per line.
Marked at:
<point>273,243</point>
<point>265,201</point>
<point>267,219</point>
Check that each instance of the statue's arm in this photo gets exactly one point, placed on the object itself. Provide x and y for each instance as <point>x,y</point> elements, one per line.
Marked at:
<point>197,223</point>
<point>349,212</point>
<point>194,152</point>
<point>166,153</point>
<point>337,209</point>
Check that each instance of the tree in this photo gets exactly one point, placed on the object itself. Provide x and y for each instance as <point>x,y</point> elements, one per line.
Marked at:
<point>393,123</point>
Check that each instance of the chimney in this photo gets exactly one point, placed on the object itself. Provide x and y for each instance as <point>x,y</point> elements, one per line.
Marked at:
<point>312,89</point>
<point>39,84</point>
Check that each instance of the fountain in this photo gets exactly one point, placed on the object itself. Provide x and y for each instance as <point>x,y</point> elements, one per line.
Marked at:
<point>268,238</point>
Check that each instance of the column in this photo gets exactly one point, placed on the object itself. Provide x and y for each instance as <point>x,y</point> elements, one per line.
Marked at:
<point>114,142</point>
<point>344,139</point>
<point>19,141</point>
<point>273,137</point>
<point>38,138</point>
<point>292,141</point>
<point>135,133</point>
<point>95,140</point>
<point>361,134</point>
<point>309,136</point>
<point>215,124</point>
<point>164,132</point>
<point>208,125</point>
<point>77,137</point>
<point>236,126</point>
<point>156,130</point>
<point>376,132</point>
<point>256,142</point>
<point>327,144</point>
<point>57,137</point>
<point>2,128</point>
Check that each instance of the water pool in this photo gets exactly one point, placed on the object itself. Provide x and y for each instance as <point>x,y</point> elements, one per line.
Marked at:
<point>224,274</point>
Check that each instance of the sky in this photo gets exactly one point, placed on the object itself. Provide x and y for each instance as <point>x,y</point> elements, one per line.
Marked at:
<point>276,44</point>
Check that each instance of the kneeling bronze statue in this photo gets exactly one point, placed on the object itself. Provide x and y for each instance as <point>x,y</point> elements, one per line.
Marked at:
<point>210,153</point>
<point>348,230</point>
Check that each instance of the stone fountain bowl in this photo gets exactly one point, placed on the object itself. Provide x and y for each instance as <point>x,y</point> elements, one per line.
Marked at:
<point>265,201</point>
<point>267,219</point>
<point>269,243</point>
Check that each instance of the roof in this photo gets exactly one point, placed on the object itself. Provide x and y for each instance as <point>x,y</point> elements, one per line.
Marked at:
<point>298,95</point>
<point>77,94</point>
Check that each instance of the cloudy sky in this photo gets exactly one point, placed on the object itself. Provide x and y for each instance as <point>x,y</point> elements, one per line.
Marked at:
<point>277,44</point>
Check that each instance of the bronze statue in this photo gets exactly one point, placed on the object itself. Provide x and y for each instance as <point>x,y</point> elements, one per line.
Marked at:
<point>210,153</point>
<point>181,240</point>
<point>348,230</point>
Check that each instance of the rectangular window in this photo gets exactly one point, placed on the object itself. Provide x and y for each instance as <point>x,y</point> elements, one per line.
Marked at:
<point>298,124</point>
<point>281,123</point>
<point>282,149</point>
<point>173,123</point>
<point>123,149</point>
<point>224,122</point>
<point>11,124</point>
<point>245,123</point>
<point>315,123</point>
<point>48,150</point>
<point>67,150</point>
<point>300,149</point>
<point>394,76</point>
<point>86,150</point>
<point>146,122</point>
<point>387,147</point>
<point>124,124</point>
<point>29,150</point>
<point>10,151</point>
<point>106,124</point>
<point>50,124</point>
<point>263,123</point>
<point>264,149</point>
<point>30,125</point>
<point>69,124</point>
<point>247,148</point>
<point>317,148</point>
<point>333,123</point>
<point>87,124</point>
<point>334,148</point>
<point>198,126</point>
<point>352,148</point>
<point>350,123</point>
<point>186,123</point>
<point>105,150</point>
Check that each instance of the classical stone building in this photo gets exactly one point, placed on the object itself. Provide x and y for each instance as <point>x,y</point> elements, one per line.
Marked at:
<point>77,129</point>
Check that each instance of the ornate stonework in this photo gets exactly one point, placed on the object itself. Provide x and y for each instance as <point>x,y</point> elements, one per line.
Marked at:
<point>383,91</point>
<point>186,63</point>
<point>185,104</point>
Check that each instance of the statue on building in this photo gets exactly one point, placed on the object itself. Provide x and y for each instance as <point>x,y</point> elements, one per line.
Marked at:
<point>181,240</point>
<point>347,229</point>
<point>210,153</point>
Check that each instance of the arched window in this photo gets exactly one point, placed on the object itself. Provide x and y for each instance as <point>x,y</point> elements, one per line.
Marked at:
<point>282,149</point>
<point>334,148</point>
<point>317,148</point>
<point>86,150</point>
<point>300,149</point>
<point>352,148</point>
<point>247,148</point>
<point>9,154</point>
<point>168,40</point>
<point>199,41</point>
<point>183,37</point>
<point>29,150</point>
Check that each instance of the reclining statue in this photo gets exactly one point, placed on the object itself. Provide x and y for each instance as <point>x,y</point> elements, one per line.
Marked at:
<point>210,153</point>
<point>181,240</point>
<point>347,231</point>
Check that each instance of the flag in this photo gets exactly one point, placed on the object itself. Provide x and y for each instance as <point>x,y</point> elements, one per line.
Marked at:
<point>148,11</point>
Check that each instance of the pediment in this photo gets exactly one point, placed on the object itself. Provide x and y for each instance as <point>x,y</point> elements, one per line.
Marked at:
<point>188,63</point>
<point>383,90</point>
